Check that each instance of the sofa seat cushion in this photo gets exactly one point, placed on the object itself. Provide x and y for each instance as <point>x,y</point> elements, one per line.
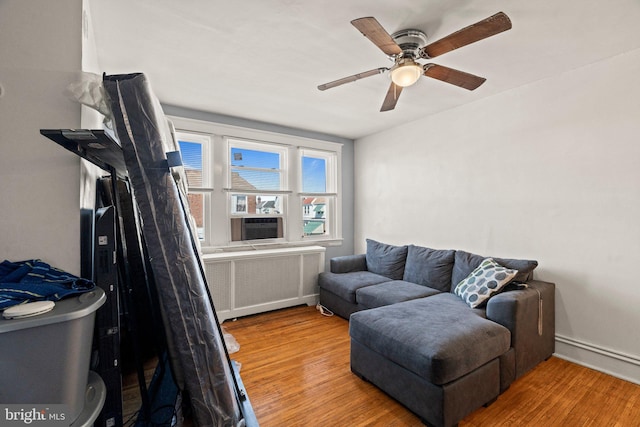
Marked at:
<point>438,338</point>
<point>345,285</point>
<point>388,293</point>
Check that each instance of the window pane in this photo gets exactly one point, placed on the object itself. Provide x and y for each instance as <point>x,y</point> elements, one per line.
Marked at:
<point>314,175</point>
<point>255,169</point>
<point>314,215</point>
<point>196,205</point>
<point>256,204</point>
<point>191,153</point>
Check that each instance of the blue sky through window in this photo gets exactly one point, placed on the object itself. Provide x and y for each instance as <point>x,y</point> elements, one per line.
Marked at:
<point>242,157</point>
<point>314,175</point>
<point>191,153</point>
<point>314,169</point>
<point>262,167</point>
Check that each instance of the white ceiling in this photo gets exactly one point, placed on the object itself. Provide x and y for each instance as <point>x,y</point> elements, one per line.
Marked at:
<point>263,59</point>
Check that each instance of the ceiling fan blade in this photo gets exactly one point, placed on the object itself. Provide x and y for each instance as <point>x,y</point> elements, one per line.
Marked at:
<point>352,78</point>
<point>480,30</point>
<point>371,29</point>
<point>392,97</point>
<point>454,77</point>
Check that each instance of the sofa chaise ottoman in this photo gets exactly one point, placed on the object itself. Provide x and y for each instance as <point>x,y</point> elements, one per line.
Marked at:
<point>441,331</point>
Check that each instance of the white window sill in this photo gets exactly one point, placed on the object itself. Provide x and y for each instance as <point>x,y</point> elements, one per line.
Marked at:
<point>255,245</point>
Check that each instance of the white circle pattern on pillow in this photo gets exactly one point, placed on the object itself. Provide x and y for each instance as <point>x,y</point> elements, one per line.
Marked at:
<point>487,279</point>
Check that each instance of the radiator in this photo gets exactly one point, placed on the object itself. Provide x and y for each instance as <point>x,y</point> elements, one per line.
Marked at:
<point>250,282</point>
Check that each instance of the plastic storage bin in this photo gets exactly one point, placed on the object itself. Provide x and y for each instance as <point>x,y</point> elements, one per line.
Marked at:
<point>45,359</point>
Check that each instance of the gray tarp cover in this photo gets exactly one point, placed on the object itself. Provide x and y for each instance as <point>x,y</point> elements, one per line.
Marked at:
<point>196,346</point>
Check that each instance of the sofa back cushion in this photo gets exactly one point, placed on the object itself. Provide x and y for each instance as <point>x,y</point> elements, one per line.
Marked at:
<point>429,267</point>
<point>386,260</point>
<point>466,262</point>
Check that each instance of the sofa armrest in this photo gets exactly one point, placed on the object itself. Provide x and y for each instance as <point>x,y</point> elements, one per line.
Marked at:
<point>529,313</point>
<point>348,263</point>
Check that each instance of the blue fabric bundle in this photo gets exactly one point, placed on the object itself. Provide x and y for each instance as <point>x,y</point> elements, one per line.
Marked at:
<point>34,280</point>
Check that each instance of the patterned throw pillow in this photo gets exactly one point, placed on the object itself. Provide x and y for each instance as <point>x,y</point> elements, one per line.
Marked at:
<point>487,279</point>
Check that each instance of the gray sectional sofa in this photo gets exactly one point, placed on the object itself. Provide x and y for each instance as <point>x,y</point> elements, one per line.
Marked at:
<point>441,331</point>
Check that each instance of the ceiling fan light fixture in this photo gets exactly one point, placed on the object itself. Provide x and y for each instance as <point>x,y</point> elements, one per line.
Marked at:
<point>405,74</point>
<point>405,46</point>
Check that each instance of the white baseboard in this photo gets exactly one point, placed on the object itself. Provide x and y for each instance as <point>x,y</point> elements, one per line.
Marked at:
<point>611,362</point>
<point>223,315</point>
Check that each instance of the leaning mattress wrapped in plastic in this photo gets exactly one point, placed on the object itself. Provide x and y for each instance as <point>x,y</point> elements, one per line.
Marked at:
<point>195,343</point>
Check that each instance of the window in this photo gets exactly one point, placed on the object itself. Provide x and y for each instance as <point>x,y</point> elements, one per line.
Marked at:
<point>270,188</point>
<point>257,178</point>
<point>318,195</point>
<point>193,149</point>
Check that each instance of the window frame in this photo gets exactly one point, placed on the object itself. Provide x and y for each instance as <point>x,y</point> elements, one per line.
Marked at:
<point>206,187</point>
<point>330,194</point>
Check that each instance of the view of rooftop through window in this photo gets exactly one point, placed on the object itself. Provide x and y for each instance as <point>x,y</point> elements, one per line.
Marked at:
<point>259,170</point>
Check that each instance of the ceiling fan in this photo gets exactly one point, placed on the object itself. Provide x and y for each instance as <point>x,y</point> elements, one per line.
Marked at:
<point>406,46</point>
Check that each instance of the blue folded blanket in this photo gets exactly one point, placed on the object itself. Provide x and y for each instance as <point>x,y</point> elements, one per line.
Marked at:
<point>34,280</point>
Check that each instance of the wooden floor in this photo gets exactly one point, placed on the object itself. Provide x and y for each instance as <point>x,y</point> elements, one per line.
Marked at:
<point>295,367</point>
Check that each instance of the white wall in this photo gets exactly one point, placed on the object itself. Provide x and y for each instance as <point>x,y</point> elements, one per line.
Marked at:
<point>548,171</point>
<point>40,47</point>
<point>91,119</point>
